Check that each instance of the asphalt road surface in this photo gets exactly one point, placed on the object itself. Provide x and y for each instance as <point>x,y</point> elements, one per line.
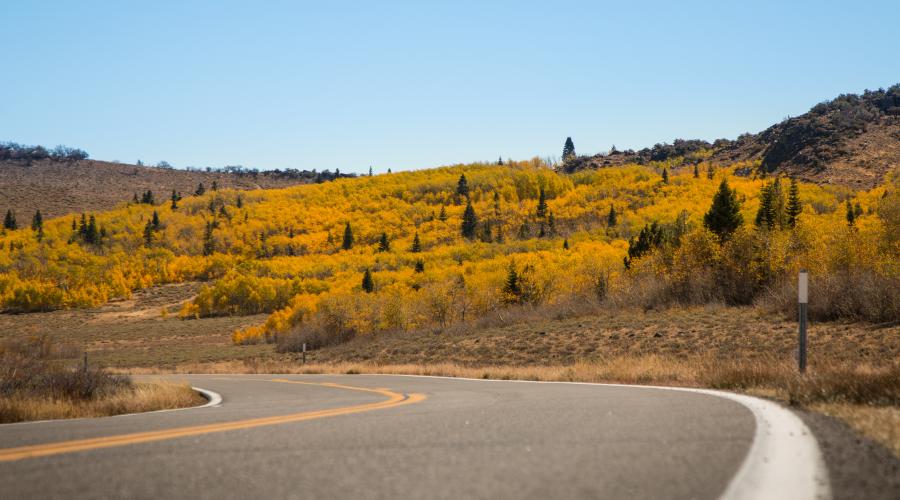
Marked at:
<point>372,436</point>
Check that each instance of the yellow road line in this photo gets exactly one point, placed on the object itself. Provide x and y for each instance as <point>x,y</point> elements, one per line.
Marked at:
<point>42,450</point>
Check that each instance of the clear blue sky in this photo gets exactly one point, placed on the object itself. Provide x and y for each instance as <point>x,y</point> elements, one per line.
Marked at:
<point>417,84</point>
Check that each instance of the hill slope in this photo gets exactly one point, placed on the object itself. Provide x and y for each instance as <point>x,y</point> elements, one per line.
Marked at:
<point>853,140</point>
<point>59,187</point>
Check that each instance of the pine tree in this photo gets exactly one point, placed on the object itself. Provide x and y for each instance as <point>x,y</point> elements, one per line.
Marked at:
<point>370,171</point>
<point>568,150</point>
<point>82,226</point>
<point>416,244</point>
<point>524,230</point>
<point>155,221</point>
<point>542,204</point>
<point>148,234</point>
<point>147,198</point>
<point>200,190</point>
<point>793,204</point>
<point>665,176</point>
<point>851,215</point>
<point>551,224</point>
<point>443,215</point>
<point>368,285</point>
<point>384,245</point>
<point>37,222</point>
<point>765,215</point>
<point>74,224</point>
<point>239,202</point>
<point>724,216</point>
<point>612,218</point>
<point>566,244</point>
<point>348,238</point>
<point>215,186</point>
<point>496,204</point>
<point>710,172</point>
<point>512,289</point>
<point>9,222</point>
<point>208,243</point>
<point>500,161</point>
<point>469,222</point>
<point>92,235</point>
<point>174,199</point>
<point>462,187</point>
<point>420,266</point>
<point>134,199</point>
<point>696,171</point>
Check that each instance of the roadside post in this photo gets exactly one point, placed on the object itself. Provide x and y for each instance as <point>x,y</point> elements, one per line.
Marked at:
<point>802,299</point>
<point>304,353</point>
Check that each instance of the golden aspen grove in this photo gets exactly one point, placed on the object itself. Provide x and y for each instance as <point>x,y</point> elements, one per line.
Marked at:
<point>387,252</point>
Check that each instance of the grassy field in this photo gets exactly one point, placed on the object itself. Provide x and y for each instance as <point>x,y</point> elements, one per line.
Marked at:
<point>854,374</point>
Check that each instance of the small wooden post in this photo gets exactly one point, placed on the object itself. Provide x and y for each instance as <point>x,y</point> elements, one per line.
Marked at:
<point>802,299</point>
<point>304,353</point>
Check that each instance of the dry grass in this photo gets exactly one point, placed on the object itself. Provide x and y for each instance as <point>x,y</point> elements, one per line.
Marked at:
<point>881,423</point>
<point>133,399</point>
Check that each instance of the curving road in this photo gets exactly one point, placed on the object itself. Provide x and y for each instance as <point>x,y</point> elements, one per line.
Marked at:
<point>376,436</point>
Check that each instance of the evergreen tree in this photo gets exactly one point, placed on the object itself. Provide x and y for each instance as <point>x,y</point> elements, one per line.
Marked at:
<point>416,244</point>
<point>511,287</point>
<point>566,244</point>
<point>469,222</point>
<point>147,198</point>
<point>724,216</point>
<point>665,176</point>
<point>239,202</point>
<point>82,226</point>
<point>542,204</point>
<point>710,172</point>
<point>612,218</point>
<point>551,224</point>
<point>74,224</point>
<point>370,171</point>
<point>462,187</point>
<point>148,234</point>
<point>420,266</point>
<point>851,215</point>
<point>92,234</point>
<point>200,190</point>
<point>696,171</point>
<point>765,215</point>
<point>215,186</point>
<point>443,215</point>
<point>208,243</point>
<point>384,245</point>
<point>155,221</point>
<point>134,199</point>
<point>348,238</point>
<point>568,150</point>
<point>496,204</point>
<point>9,222</point>
<point>223,212</point>
<point>524,230</point>
<point>500,161</point>
<point>793,204</point>
<point>37,222</point>
<point>174,199</point>
<point>542,230</point>
<point>368,285</point>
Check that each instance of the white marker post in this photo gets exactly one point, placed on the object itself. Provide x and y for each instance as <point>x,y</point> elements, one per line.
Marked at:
<point>803,299</point>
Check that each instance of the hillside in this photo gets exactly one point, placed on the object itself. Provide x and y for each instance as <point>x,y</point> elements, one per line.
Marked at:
<point>852,140</point>
<point>431,248</point>
<point>64,186</point>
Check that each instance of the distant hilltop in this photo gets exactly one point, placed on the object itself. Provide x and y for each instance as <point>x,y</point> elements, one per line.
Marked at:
<point>852,140</point>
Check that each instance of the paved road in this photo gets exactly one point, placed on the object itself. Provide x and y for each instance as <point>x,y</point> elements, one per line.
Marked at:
<point>413,437</point>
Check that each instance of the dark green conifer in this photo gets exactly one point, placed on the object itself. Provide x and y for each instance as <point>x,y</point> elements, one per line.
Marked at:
<point>416,244</point>
<point>420,266</point>
<point>469,222</point>
<point>9,222</point>
<point>384,245</point>
<point>368,284</point>
<point>542,204</point>
<point>612,217</point>
<point>794,208</point>
<point>568,150</point>
<point>348,238</point>
<point>724,216</point>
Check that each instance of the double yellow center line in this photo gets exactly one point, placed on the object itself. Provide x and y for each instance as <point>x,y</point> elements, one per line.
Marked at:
<point>42,450</point>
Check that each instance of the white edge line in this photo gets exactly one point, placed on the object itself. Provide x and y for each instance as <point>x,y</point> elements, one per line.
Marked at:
<point>784,460</point>
<point>213,399</point>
